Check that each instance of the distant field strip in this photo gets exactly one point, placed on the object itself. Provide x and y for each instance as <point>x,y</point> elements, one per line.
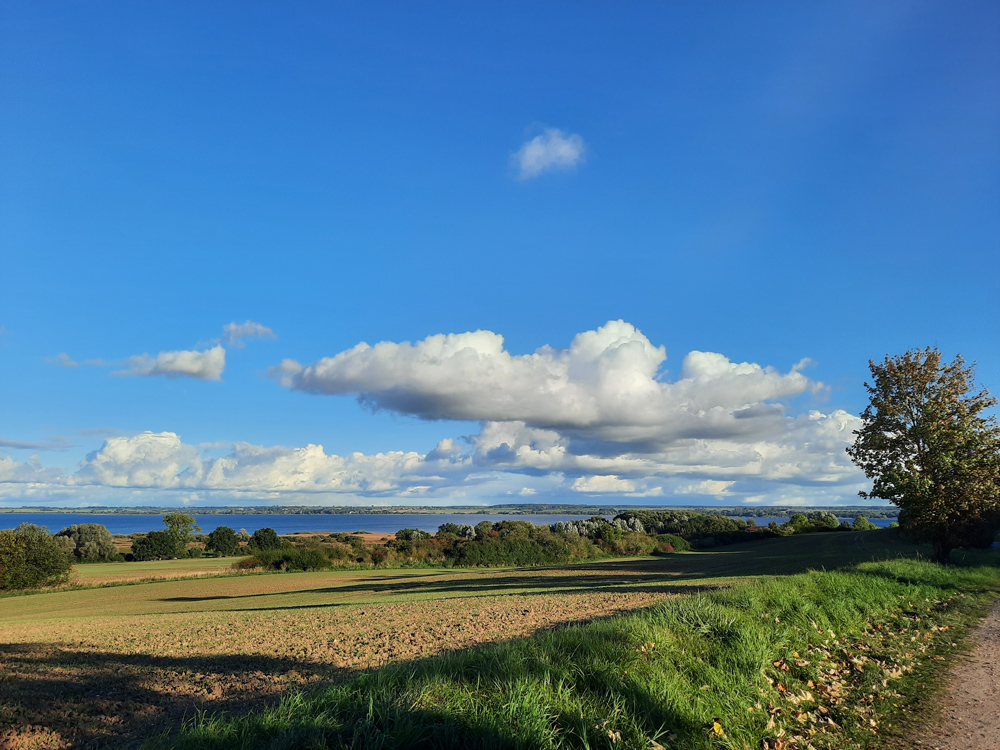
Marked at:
<point>101,573</point>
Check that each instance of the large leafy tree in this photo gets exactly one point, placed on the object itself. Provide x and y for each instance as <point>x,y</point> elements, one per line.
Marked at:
<point>156,545</point>
<point>90,541</point>
<point>264,539</point>
<point>928,448</point>
<point>223,541</point>
<point>31,557</point>
<point>180,526</point>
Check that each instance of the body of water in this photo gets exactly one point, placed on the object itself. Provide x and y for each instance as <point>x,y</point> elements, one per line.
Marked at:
<point>288,524</point>
<point>381,523</point>
<point>880,522</point>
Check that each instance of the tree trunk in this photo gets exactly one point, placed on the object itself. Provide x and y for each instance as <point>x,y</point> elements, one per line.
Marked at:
<point>942,552</point>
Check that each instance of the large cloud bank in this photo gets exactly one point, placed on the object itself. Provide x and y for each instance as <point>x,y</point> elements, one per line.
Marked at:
<point>604,389</point>
<point>599,417</point>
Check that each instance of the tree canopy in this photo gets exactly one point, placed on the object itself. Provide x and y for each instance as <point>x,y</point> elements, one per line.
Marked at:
<point>264,539</point>
<point>223,542</point>
<point>156,545</point>
<point>90,541</point>
<point>31,557</point>
<point>180,526</point>
<point>930,450</point>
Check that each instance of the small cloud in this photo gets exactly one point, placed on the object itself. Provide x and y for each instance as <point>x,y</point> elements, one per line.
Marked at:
<point>234,333</point>
<point>527,491</point>
<point>206,365</point>
<point>552,150</point>
<point>62,359</point>
<point>54,444</point>
<point>602,483</point>
<point>102,432</point>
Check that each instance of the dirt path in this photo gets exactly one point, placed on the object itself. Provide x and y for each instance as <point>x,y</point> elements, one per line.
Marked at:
<point>970,713</point>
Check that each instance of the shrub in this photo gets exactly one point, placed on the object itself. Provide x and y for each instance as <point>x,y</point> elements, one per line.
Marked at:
<point>156,545</point>
<point>223,541</point>
<point>195,552</point>
<point>89,541</point>
<point>409,535</point>
<point>264,539</point>
<point>863,524</point>
<point>676,543</point>
<point>31,557</point>
<point>462,530</point>
<point>686,524</point>
<point>287,558</point>
<point>631,544</point>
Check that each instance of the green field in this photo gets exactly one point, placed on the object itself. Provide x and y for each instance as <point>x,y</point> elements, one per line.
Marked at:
<point>288,590</point>
<point>135,660</point>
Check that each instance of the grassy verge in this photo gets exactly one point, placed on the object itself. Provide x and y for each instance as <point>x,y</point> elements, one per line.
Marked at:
<point>820,659</point>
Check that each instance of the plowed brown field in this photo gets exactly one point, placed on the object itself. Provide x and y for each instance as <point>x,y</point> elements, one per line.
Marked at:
<point>111,666</point>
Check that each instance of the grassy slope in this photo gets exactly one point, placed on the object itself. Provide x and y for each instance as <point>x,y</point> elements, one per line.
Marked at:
<point>824,659</point>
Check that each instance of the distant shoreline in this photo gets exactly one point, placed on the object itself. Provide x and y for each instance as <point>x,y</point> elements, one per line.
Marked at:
<point>845,511</point>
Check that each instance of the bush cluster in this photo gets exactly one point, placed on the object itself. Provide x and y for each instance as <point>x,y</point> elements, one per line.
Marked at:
<point>89,541</point>
<point>287,557</point>
<point>30,557</point>
<point>516,542</point>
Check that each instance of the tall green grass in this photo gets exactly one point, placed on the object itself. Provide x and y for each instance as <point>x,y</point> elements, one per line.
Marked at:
<point>827,659</point>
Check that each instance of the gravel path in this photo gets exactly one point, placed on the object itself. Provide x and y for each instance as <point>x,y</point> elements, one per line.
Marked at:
<point>970,713</point>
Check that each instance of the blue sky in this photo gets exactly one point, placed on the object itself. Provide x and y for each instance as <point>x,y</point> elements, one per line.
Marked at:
<point>785,190</point>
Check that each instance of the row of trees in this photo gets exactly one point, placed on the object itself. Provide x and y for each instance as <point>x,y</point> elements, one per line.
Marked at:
<point>174,541</point>
<point>31,557</point>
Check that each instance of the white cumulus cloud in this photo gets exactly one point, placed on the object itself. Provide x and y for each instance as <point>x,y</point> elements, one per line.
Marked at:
<point>161,460</point>
<point>552,150</point>
<point>605,388</point>
<point>203,365</point>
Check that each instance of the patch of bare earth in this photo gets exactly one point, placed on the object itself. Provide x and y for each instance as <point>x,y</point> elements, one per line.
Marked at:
<point>115,681</point>
<point>969,715</point>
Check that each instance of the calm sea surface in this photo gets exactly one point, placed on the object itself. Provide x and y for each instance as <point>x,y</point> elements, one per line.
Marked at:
<point>288,524</point>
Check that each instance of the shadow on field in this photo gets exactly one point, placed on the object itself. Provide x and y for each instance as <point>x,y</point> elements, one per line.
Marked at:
<point>667,574</point>
<point>88,699</point>
<point>380,710</point>
<point>620,580</point>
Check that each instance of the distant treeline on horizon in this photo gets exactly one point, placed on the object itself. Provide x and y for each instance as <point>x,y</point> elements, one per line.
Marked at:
<point>525,509</point>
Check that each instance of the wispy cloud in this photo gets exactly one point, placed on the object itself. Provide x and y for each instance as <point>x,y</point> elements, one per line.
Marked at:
<point>234,333</point>
<point>51,444</point>
<point>550,151</point>
<point>63,360</point>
